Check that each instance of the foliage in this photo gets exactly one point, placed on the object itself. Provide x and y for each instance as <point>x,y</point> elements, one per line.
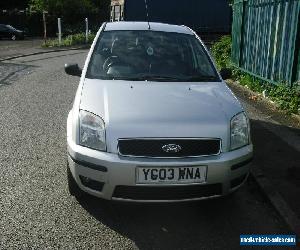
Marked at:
<point>71,10</point>
<point>61,6</point>
<point>221,51</point>
<point>70,40</point>
<point>72,14</point>
<point>285,97</point>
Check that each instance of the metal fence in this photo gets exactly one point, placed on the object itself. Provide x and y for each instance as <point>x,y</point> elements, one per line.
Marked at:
<point>265,39</point>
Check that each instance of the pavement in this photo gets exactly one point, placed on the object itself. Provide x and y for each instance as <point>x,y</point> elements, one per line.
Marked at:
<point>37,212</point>
<point>14,49</point>
<point>276,165</point>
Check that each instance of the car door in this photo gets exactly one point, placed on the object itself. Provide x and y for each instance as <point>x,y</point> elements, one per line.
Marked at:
<point>4,31</point>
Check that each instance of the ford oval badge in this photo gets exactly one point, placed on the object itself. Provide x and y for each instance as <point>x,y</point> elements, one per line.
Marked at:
<point>171,148</point>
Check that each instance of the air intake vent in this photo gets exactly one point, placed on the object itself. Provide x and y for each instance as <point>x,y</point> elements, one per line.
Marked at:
<point>168,148</point>
<point>167,193</point>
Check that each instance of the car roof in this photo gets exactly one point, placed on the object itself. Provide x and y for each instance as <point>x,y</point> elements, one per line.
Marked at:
<point>123,25</point>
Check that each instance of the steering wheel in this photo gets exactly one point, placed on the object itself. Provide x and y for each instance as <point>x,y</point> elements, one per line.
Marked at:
<point>110,61</point>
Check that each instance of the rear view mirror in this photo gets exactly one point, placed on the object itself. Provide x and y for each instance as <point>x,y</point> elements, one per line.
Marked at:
<point>73,69</point>
<point>225,73</point>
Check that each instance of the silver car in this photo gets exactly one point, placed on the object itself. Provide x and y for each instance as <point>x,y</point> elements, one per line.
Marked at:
<point>152,119</point>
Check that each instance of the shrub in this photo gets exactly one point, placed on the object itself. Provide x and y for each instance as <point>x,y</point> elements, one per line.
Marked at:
<point>70,40</point>
<point>285,97</point>
<point>221,52</point>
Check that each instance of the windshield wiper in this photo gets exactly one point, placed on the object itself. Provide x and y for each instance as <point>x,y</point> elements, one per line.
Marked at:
<point>143,78</point>
<point>197,78</point>
<point>158,78</point>
<point>162,78</point>
<point>110,77</point>
<point>202,78</point>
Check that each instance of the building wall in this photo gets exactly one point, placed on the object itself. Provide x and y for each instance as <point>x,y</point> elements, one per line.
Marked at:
<point>117,10</point>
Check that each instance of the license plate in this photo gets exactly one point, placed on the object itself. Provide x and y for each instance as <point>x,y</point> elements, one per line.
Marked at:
<point>195,174</point>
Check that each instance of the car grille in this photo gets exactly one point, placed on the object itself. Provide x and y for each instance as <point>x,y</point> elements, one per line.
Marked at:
<point>154,147</point>
<point>167,193</point>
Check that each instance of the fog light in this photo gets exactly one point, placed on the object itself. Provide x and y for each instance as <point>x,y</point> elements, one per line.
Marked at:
<point>237,181</point>
<point>84,180</point>
<point>90,183</point>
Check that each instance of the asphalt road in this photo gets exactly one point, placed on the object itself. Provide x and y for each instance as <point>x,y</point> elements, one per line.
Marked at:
<point>36,210</point>
<point>19,47</point>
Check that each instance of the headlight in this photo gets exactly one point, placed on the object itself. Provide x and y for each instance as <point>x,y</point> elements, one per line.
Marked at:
<point>91,131</point>
<point>239,131</point>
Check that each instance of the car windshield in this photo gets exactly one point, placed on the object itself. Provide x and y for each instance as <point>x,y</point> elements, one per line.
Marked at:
<point>150,55</point>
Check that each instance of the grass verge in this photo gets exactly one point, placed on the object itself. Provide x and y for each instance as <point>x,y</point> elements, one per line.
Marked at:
<point>70,40</point>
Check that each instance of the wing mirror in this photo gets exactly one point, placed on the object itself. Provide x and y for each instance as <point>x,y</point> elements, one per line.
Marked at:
<point>225,73</point>
<point>73,69</point>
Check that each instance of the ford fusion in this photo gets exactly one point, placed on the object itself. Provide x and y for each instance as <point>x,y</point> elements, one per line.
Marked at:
<point>152,119</point>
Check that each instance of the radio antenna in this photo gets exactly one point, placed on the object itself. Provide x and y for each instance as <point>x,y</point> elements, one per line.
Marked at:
<point>146,6</point>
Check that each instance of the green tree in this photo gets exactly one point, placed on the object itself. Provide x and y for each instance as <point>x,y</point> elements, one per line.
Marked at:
<point>60,7</point>
<point>70,8</point>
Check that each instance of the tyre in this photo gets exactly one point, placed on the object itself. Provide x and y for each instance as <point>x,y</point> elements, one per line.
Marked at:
<point>74,189</point>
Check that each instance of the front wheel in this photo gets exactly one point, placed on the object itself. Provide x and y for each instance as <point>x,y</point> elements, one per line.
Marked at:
<point>73,187</point>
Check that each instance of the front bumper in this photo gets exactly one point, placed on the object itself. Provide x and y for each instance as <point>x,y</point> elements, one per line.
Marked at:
<point>116,175</point>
